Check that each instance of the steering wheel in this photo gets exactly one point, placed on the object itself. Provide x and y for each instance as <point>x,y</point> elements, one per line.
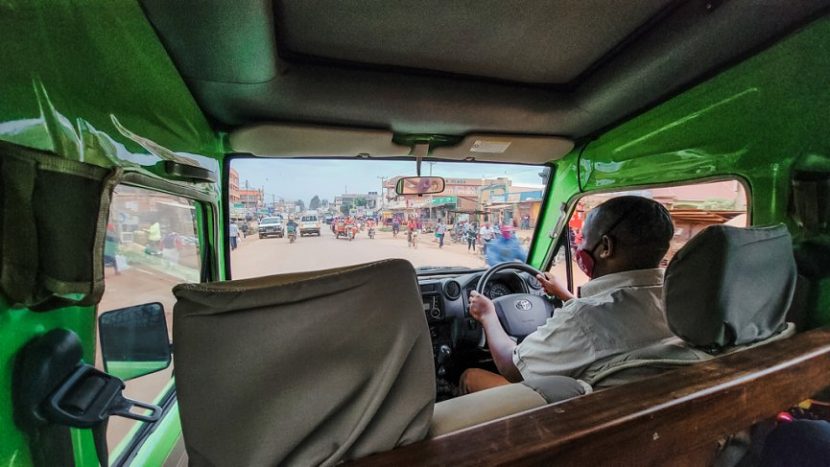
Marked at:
<point>519,313</point>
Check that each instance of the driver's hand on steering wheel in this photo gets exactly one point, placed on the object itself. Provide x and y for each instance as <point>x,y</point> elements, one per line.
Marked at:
<point>554,287</point>
<point>481,308</point>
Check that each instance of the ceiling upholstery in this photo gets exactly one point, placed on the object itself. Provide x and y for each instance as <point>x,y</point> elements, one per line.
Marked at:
<point>550,42</point>
<point>431,67</point>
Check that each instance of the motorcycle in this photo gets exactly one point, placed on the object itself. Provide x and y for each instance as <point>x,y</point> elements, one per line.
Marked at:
<point>292,234</point>
<point>371,232</point>
<point>347,231</point>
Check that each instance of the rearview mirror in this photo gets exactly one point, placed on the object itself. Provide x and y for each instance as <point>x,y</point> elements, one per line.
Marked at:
<point>134,340</point>
<point>420,185</point>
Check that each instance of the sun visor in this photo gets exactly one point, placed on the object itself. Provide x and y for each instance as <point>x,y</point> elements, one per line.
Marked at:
<point>314,141</point>
<point>506,148</point>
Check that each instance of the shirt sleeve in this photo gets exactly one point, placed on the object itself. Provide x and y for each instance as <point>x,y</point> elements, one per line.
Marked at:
<point>561,346</point>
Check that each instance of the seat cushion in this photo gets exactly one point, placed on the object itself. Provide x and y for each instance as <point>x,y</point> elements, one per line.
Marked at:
<point>502,401</point>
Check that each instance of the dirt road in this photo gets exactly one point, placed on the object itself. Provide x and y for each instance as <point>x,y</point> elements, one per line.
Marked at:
<point>258,257</point>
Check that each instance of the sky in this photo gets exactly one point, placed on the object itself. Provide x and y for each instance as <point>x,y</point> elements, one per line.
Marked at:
<point>293,179</point>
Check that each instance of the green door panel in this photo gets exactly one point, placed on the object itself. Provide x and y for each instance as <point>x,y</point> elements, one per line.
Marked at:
<point>17,327</point>
<point>90,81</point>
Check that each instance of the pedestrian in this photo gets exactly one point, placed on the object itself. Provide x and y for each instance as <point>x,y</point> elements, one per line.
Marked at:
<point>471,234</point>
<point>486,235</point>
<point>440,231</point>
<point>233,234</point>
<point>111,248</point>
<point>412,233</point>
<point>169,251</point>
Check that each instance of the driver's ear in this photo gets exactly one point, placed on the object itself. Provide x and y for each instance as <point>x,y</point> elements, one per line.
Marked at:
<point>608,247</point>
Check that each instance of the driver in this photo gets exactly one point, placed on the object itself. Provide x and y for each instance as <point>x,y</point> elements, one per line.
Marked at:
<point>620,309</point>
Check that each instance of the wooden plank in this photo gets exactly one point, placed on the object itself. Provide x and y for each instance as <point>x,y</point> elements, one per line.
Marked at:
<point>673,416</point>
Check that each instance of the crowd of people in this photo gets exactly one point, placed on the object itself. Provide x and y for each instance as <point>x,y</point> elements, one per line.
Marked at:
<point>495,242</point>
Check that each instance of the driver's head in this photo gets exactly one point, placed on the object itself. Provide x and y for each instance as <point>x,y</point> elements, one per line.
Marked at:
<point>625,233</point>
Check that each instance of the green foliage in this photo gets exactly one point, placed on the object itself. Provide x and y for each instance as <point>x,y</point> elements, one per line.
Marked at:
<point>314,203</point>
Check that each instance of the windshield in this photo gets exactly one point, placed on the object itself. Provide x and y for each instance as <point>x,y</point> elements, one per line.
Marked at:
<point>483,205</point>
<point>271,220</point>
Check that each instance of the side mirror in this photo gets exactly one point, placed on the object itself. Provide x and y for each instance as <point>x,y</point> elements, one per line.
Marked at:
<point>134,341</point>
<point>420,185</point>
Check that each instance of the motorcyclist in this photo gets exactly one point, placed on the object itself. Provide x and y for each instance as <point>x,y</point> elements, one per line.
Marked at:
<point>291,226</point>
<point>370,227</point>
<point>505,248</point>
<point>396,226</point>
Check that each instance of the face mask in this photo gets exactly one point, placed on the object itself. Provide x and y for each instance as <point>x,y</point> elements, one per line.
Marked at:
<point>585,262</point>
<point>583,256</point>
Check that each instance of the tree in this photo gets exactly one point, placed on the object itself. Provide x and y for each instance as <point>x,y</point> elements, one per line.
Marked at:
<point>301,204</point>
<point>345,209</point>
<point>314,203</point>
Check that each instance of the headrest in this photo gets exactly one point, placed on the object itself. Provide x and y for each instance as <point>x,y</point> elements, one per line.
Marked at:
<point>303,369</point>
<point>730,286</point>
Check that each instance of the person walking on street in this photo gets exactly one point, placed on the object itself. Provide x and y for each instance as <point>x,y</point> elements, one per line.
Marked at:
<point>412,233</point>
<point>233,234</point>
<point>486,235</point>
<point>440,231</point>
<point>471,234</point>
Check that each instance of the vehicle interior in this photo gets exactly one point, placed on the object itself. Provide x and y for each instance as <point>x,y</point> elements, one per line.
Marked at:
<point>123,124</point>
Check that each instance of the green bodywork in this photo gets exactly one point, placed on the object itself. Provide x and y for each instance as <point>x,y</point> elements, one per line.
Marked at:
<point>92,82</point>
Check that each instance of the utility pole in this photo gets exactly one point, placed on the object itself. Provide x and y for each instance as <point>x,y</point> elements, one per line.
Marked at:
<point>382,189</point>
<point>430,196</point>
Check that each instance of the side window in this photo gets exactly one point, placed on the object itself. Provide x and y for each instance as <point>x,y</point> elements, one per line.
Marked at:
<point>693,208</point>
<point>152,244</point>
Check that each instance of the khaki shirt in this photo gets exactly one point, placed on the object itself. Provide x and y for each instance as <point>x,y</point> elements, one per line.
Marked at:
<point>617,313</point>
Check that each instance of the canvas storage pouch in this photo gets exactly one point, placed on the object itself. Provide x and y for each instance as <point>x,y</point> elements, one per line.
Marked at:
<point>52,228</point>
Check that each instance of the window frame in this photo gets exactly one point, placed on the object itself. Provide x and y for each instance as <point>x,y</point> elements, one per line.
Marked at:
<point>207,209</point>
<point>562,234</point>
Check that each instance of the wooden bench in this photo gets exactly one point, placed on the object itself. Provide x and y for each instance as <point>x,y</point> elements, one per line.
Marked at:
<point>676,418</point>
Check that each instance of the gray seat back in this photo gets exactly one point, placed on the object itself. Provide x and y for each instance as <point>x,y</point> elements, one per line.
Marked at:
<point>731,286</point>
<point>303,369</point>
<point>726,290</point>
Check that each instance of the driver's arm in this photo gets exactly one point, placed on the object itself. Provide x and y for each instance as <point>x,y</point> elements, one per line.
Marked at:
<point>500,344</point>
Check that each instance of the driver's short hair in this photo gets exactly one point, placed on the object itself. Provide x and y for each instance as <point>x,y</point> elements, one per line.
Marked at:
<point>646,228</point>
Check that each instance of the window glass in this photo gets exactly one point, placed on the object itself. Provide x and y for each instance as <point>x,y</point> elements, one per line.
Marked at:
<point>692,207</point>
<point>151,245</point>
<point>347,212</point>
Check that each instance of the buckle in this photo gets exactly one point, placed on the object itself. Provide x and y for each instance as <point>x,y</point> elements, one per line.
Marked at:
<point>89,396</point>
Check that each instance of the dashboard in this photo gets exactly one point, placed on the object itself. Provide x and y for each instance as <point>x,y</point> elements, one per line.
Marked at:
<point>455,336</point>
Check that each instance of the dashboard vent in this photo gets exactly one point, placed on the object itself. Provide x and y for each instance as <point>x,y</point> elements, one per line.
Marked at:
<point>452,290</point>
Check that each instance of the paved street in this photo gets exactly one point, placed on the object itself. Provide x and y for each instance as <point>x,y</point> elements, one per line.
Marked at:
<point>258,257</point>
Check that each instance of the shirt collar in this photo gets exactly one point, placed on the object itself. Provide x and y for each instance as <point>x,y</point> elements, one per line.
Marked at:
<point>636,278</point>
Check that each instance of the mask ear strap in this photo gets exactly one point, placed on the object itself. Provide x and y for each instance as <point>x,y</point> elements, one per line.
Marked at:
<point>613,226</point>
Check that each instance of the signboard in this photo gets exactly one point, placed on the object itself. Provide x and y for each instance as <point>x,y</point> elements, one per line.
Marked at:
<point>444,200</point>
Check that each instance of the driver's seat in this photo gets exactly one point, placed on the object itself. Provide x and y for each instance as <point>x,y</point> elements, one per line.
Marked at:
<point>727,290</point>
<point>303,369</point>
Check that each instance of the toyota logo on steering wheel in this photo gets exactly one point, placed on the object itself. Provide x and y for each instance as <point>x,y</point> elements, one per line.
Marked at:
<point>524,304</point>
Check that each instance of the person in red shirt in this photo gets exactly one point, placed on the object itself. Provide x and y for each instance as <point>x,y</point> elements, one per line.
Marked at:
<point>412,233</point>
